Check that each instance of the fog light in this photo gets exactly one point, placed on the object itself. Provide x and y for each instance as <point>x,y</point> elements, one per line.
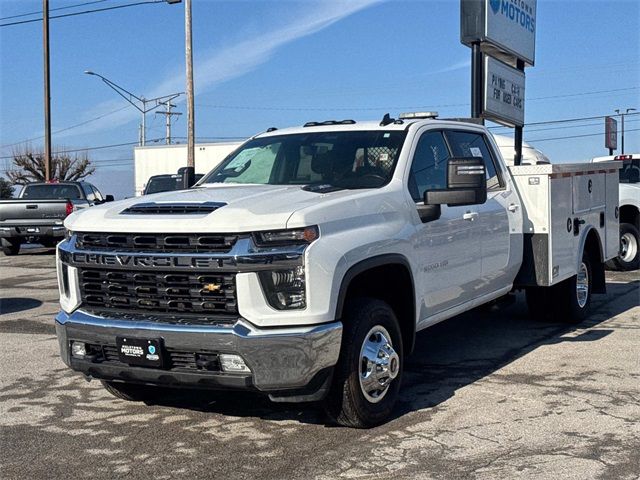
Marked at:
<point>78,349</point>
<point>233,363</point>
<point>285,289</point>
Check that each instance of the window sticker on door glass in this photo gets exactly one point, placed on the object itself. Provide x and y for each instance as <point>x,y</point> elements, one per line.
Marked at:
<point>384,157</point>
<point>475,152</point>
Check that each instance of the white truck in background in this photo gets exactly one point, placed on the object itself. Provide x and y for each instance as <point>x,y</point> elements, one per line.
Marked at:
<point>303,266</point>
<point>629,204</point>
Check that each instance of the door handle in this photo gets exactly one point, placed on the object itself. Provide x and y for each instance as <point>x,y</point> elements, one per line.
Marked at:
<point>513,207</point>
<point>470,216</point>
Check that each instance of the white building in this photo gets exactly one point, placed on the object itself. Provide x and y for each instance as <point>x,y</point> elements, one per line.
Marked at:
<point>163,159</point>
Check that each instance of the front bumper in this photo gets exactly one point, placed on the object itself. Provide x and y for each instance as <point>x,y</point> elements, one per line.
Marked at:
<point>292,359</point>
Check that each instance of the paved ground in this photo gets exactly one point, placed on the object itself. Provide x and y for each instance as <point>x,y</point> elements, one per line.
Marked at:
<point>488,395</point>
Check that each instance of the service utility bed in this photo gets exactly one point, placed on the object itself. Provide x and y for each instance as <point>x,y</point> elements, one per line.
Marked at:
<point>561,203</point>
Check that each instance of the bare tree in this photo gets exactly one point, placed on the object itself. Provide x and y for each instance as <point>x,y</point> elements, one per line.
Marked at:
<point>6,189</point>
<point>29,166</point>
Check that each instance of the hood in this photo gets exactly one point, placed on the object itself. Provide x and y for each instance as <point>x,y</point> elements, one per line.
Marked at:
<point>245,208</point>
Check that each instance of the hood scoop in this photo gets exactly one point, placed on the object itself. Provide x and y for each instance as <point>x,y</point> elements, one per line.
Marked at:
<point>178,208</point>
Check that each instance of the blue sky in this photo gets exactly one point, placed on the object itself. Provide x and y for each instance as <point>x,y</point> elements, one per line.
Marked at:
<point>281,63</point>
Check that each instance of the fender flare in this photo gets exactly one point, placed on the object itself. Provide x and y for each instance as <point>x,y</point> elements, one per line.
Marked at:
<point>374,262</point>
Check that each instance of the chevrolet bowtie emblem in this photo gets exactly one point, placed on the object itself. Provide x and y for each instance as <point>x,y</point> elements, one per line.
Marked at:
<point>212,287</point>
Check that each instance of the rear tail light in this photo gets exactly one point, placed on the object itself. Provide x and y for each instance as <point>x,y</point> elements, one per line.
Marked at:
<point>69,208</point>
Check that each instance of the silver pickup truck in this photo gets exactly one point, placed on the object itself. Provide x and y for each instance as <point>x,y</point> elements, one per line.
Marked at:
<point>37,215</point>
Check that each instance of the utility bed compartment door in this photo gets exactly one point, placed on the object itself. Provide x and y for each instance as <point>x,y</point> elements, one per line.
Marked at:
<point>589,192</point>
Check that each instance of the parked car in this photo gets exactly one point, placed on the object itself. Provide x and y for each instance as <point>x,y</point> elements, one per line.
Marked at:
<point>37,214</point>
<point>166,183</point>
<point>629,202</point>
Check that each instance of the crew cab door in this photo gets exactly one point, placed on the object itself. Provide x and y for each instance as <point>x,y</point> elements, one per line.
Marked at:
<point>497,217</point>
<point>447,250</point>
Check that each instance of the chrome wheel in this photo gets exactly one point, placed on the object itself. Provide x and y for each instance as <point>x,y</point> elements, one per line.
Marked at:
<point>379,364</point>
<point>582,285</point>
<point>628,247</point>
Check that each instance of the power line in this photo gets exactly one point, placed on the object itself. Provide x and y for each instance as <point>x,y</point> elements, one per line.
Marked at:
<point>101,147</point>
<point>568,120</point>
<point>66,128</point>
<point>574,136</point>
<point>115,7</point>
<point>310,108</point>
<point>39,12</point>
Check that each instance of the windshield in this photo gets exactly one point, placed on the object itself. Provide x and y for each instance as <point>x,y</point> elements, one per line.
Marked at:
<point>630,171</point>
<point>352,159</point>
<point>51,191</point>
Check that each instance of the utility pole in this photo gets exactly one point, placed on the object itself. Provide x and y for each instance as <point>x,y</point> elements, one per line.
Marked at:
<point>622,114</point>
<point>168,113</point>
<point>47,92</point>
<point>189,175</point>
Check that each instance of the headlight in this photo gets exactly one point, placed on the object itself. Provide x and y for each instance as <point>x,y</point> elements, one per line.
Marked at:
<point>285,289</point>
<point>295,236</point>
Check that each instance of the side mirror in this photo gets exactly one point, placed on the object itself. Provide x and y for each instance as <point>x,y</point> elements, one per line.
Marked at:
<point>108,198</point>
<point>466,184</point>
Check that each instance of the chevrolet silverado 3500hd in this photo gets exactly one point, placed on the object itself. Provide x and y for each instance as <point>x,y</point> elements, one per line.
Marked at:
<point>304,264</point>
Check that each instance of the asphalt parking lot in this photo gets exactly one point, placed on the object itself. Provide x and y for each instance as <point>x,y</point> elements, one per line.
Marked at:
<point>486,395</point>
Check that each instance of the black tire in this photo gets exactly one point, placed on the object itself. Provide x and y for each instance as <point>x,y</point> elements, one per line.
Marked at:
<point>10,246</point>
<point>629,258</point>
<point>131,391</point>
<point>563,303</point>
<point>346,403</point>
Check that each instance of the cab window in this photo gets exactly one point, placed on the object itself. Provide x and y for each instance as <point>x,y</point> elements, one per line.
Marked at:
<point>429,166</point>
<point>471,144</point>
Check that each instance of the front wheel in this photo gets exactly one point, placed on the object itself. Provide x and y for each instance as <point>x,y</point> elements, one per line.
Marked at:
<point>369,372</point>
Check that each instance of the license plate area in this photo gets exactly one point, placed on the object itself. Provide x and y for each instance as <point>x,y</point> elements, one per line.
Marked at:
<point>33,230</point>
<point>143,352</point>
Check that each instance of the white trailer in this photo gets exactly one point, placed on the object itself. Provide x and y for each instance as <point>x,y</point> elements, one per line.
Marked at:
<point>167,159</point>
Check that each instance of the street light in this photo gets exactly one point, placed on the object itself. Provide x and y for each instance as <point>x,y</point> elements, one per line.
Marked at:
<point>140,103</point>
<point>622,114</point>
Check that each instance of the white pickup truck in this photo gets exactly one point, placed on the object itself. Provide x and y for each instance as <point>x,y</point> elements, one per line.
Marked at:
<point>629,204</point>
<point>304,264</point>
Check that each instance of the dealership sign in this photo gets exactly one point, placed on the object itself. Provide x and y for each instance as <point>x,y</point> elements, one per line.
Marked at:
<point>503,27</point>
<point>503,93</point>
<point>610,133</point>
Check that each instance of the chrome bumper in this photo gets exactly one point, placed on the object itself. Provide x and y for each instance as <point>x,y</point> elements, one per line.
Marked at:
<point>280,359</point>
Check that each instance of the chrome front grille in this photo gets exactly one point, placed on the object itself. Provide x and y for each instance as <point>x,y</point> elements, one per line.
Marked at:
<point>156,242</point>
<point>160,293</point>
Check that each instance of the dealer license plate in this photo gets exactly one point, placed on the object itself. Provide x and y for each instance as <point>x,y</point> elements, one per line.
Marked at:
<point>139,351</point>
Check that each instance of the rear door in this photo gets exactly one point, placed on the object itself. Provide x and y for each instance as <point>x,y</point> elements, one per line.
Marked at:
<point>448,249</point>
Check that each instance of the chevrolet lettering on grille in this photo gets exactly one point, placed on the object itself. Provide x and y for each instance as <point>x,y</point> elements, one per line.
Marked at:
<point>145,261</point>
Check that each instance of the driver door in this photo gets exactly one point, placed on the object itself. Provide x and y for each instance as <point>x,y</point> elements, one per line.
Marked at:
<point>448,249</point>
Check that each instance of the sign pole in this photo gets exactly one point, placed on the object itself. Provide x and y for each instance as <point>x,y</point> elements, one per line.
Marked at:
<point>477,68</point>
<point>519,128</point>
